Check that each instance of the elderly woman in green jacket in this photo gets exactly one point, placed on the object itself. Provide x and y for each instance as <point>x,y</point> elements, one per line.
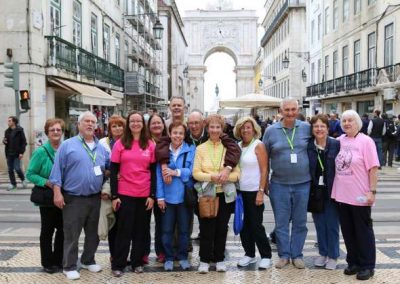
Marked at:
<point>38,173</point>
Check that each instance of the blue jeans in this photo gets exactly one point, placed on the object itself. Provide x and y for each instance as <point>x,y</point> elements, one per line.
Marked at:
<point>378,144</point>
<point>14,163</point>
<point>175,214</point>
<point>327,227</point>
<point>289,203</point>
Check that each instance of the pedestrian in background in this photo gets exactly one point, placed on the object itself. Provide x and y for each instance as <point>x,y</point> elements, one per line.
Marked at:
<point>78,170</point>
<point>376,130</point>
<point>15,144</point>
<point>354,189</point>
<point>322,151</point>
<point>389,141</point>
<point>38,173</point>
<point>253,181</point>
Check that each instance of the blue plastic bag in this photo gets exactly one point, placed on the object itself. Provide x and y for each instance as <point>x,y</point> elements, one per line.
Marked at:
<point>238,220</point>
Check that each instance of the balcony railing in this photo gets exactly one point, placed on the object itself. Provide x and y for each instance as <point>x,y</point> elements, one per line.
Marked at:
<point>67,56</point>
<point>274,23</point>
<point>356,81</point>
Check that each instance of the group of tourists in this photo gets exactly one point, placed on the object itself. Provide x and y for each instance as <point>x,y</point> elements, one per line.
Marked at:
<point>110,189</point>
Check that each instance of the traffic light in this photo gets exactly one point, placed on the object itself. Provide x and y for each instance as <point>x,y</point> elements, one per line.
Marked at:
<point>306,104</point>
<point>24,95</point>
<point>11,71</point>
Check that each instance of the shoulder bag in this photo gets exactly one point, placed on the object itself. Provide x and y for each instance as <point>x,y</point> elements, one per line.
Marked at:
<point>43,196</point>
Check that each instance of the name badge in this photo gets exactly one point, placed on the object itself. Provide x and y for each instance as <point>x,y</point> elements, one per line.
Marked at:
<point>97,171</point>
<point>293,158</point>
<point>321,180</point>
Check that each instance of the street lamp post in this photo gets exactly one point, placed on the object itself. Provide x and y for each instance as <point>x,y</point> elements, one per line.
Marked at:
<point>216,89</point>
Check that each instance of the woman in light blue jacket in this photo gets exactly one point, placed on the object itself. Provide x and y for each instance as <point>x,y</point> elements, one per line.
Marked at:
<point>170,197</point>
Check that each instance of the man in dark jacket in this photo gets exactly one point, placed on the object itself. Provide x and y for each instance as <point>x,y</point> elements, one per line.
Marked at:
<point>15,144</point>
<point>365,123</point>
<point>389,140</point>
<point>376,130</point>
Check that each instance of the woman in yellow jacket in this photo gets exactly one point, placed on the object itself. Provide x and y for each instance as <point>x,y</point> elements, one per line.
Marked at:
<point>208,167</point>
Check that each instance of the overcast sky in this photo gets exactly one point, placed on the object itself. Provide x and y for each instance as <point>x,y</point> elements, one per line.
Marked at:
<point>220,65</point>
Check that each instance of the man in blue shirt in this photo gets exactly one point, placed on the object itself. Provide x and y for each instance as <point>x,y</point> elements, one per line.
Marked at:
<point>78,169</point>
<point>286,142</point>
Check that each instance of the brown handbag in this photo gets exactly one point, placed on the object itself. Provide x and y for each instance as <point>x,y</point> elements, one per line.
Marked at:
<point>208,206</point>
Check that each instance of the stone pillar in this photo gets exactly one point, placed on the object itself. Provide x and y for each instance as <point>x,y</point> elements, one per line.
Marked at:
<point>196,83</point>
<point>244,80</point>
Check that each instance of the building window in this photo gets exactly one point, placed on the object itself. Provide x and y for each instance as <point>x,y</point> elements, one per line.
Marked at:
<point>371,50</point>
<point>335,64</point>
<point>345,10</point>
<point>319,71</point>
<point>326,67</point>
<point>126,7</point>
<point>345,62</point>
<point>77,23</point>
<point>357,6</point>
<point>335,23</point>
<point>117,50</point>
<point>388,45</point>
<point>370,2</point>
<point>312,31</point>
<point>55,18</point>
<point>326,20</point>
<point>93,32</point>
<point>126,50</point>
<point>312,73</point>
<point>106,42</point>
<point>319,27</point>
<point>357,50</point>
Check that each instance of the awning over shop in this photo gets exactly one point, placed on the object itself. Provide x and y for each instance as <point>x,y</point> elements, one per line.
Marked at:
<point>90,95</point>
<point>119,96</point>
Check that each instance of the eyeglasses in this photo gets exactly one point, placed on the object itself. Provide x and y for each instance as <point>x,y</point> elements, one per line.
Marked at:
<point>55,130</point>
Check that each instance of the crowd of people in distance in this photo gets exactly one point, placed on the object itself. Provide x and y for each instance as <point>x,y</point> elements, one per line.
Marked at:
<point>111,187</point>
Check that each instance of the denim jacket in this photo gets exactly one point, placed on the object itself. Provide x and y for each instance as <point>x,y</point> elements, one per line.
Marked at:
<point>331,151</point>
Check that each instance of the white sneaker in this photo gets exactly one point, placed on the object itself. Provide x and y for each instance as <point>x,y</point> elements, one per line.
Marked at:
<point>72,275</point>
<point>320,261</point>
<point>24,184</point>
<point>246,260</point>
<point>221,266</point>
<point>91,267</point>
<point>265,263</point>
<point>331,264</point>
<point>203,267</point>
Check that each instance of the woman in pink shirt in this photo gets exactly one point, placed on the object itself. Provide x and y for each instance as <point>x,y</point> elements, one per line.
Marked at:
<point>354,189</point>
<point>132,167</point>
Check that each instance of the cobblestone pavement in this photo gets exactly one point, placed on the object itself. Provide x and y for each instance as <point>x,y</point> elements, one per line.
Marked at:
<point>19,264</point>
<point>20,256</point>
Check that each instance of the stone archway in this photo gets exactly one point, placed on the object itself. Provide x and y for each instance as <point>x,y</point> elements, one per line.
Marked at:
<point>231,31</point>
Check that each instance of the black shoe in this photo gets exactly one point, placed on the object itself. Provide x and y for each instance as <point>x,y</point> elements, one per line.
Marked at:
<point>351,270</point>
<point>49,270</point>
<point>365,274</point>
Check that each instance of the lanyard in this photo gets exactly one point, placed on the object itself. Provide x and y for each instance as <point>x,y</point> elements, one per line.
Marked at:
<point>290,141</point>
<point>320,162</point>
<point>90,153</point>
<point>245,151</point>
<point>213,155</point>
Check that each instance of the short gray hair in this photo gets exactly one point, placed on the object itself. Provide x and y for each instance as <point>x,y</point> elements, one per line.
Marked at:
<point>353,114</point>
<point>86,113</point>
<point>178,98</point>
<point>289,100</point>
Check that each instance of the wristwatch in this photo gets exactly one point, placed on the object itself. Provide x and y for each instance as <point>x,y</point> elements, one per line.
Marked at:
<point>229,167</point>
<point>373,191</point>
<point>261,189</point>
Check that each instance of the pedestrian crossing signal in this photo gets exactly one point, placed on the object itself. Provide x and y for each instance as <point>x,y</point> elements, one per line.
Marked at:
<point>24,95</point>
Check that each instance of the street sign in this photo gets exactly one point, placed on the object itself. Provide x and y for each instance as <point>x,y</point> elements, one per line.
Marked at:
<point>306,104</point>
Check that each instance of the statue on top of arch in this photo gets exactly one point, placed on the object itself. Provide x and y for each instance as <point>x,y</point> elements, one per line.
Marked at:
<point>220,5</point>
